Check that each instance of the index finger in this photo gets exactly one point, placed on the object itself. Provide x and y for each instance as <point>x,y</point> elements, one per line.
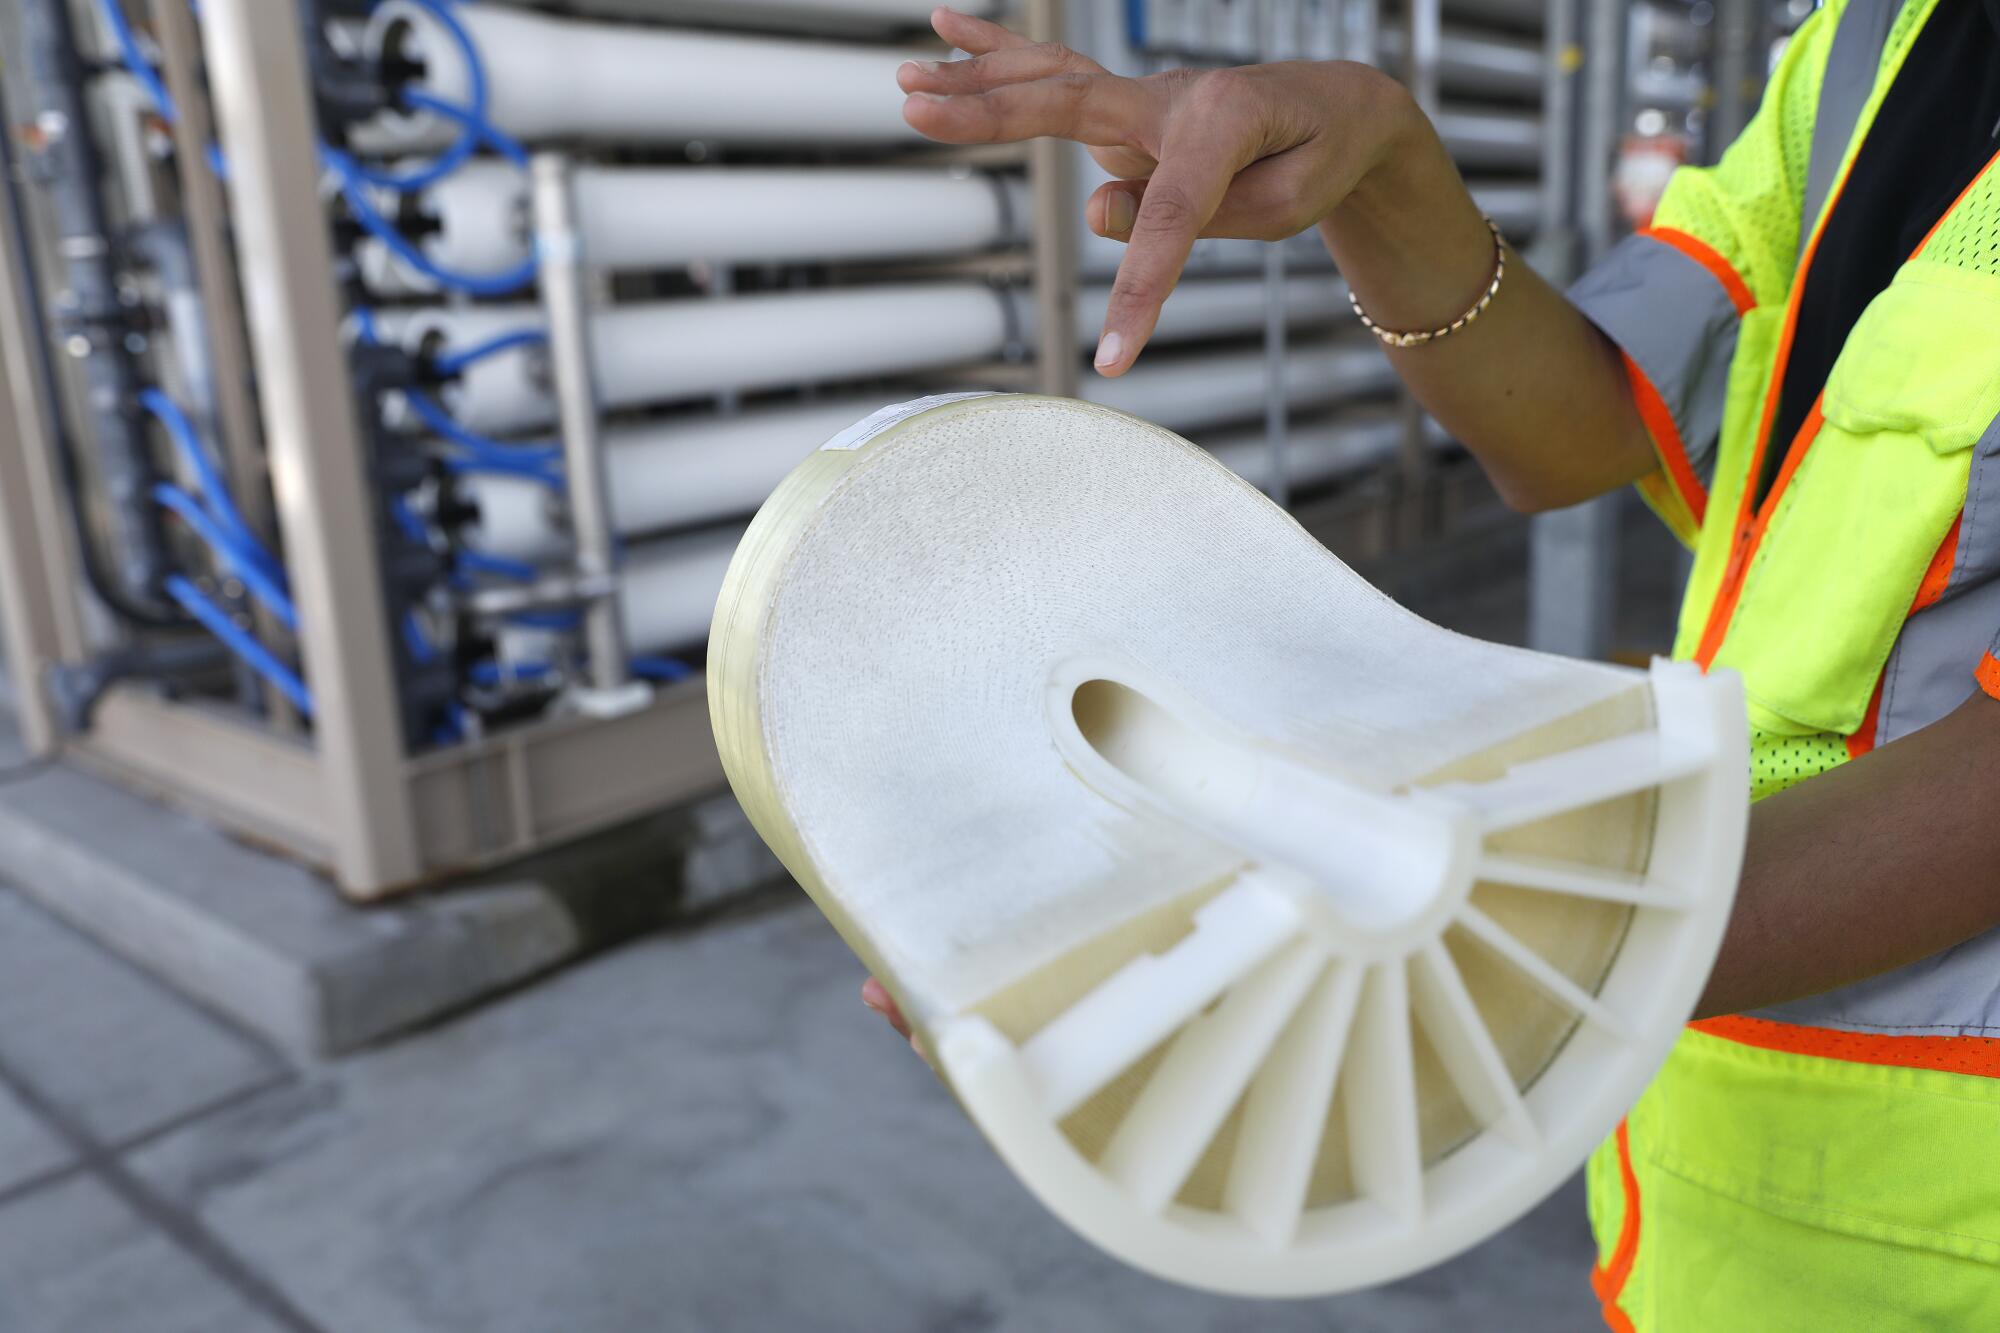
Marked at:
<point>1184,192</point>
<point>975,35</point>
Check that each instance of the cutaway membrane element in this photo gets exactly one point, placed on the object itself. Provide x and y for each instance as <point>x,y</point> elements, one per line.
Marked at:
<point>1280,941</point>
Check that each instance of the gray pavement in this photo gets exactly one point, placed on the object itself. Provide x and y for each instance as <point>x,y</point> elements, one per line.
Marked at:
<point>699,1131</point>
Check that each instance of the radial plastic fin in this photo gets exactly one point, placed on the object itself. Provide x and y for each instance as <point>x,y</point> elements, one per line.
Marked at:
<point>1379,1090</point>
<point>1285,1110</point>
<point>1576,778</point>
<point>1581,881</point>
<point>1142,1003</point>
<point>1459,1036</point>
<point>1540,971</point>
<point>1204,1073</point>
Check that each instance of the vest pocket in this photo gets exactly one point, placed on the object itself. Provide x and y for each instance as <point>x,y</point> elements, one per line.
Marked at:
<point>1860,520</point>
<point>1923,360</point>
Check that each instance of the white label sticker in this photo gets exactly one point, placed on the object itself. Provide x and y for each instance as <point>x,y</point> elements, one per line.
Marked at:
<point>880,420</point>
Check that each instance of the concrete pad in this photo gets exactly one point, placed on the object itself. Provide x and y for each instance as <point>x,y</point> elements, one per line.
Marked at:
<point>106,1044</point>
<point>72,1256</point>
<point>707,1130</point>
<point>27,1149</point>
<point>271,943</point>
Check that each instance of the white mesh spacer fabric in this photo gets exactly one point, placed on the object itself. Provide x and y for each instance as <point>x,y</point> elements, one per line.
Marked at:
<point>1280,941</point>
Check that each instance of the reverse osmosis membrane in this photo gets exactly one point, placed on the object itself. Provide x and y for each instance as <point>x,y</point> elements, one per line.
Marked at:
<point>1280,941</point>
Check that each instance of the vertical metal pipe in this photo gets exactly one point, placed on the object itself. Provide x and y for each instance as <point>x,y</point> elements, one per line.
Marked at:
<point>1052,177</point>
<point>1735,37</point>
<point>1277,405</point>
<point>89,309</point>
<point>1601,123</point>
<point>229,411</point>
<point>1573,553</point>
<point>1424,24</point>
<point>1561,59</point>
<point>566,303</point>
<point>320,481</point>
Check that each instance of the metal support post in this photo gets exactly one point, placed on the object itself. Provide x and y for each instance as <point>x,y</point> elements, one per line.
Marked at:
<point>206,213</point>
<point>1052,170</point>
<point>1736,32</point>
<point>324,498</point>
<point>38,616</point>
<point>1277,407</point>
<point>1562,57</point>
<point>1573,553</point>
<point>566,303</point>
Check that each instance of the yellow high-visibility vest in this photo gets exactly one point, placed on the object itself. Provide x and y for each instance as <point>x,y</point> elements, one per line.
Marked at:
<point>1826,1164</point>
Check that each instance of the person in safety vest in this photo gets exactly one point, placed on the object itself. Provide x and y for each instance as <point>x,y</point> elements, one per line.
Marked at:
<point>1798,365</point>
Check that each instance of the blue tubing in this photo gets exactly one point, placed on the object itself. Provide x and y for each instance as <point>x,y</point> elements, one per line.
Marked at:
<point>208,479</point>
<point>135,61</point>
<point>478,562</point>
<point>353,190</point>
<point>492,673</point>
<point>473,121</point>
<point>651,667</point>
<point>258,580</point>
<point>469,138</point>
<point>260,659</point>
<point>453,363</point>
<point>440,422</point>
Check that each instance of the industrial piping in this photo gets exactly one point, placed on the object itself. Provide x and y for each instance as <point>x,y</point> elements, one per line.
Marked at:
<point>93,315</point>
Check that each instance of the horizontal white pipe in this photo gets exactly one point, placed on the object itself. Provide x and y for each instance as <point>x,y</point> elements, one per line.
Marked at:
<point>842,16</point>
<point>701,468</point>
<point>667,474</point>
<point>668,589</point>
<point>665,351</point>
<point>1476,63</point>
<point>1515,205</point>
<point>1530,15</point>
<point>1222,307</point>
<point>667,592</point>
<point>1194,391</point>
<point>667,217</point>
<point>551,77</point>
<point>1483,138</point>
<point>1318,451</point>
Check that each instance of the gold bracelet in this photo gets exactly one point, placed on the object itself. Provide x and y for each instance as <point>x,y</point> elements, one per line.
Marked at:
<point>1391,338</point>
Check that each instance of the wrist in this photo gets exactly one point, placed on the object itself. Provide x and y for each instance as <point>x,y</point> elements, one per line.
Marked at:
<point>1409,169</point>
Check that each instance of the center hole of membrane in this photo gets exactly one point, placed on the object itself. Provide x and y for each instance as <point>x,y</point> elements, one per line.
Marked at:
<point>1378,860</point>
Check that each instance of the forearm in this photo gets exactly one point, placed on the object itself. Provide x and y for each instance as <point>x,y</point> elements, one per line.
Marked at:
<point>1531,387</point>
<point>1883,861</point>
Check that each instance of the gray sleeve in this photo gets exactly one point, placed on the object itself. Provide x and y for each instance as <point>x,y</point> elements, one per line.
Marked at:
<point>1677,322</point>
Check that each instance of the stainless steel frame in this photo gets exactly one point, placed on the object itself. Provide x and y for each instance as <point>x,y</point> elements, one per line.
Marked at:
<point>348,796</point>
<point>351,799</point>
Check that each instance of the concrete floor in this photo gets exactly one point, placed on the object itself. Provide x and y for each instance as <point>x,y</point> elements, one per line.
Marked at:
<point>701,1131</point>
<point>698,1132</point>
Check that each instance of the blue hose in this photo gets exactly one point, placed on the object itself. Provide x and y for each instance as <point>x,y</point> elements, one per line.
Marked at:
<point>473,121</point>
<point>208,481</point>
<point>453,363</point>
<point>469,138</point>
<point>353,190</point>
<point>478,562</point>
<point>492,673</point>
<point>440,422</point>
<point>260,659</point>
<point>560,621</point>
<point>646,668</point>
<point>419,643</point>
<point>136,63</point>
<point>260,581</point>
<point>652,667</point>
